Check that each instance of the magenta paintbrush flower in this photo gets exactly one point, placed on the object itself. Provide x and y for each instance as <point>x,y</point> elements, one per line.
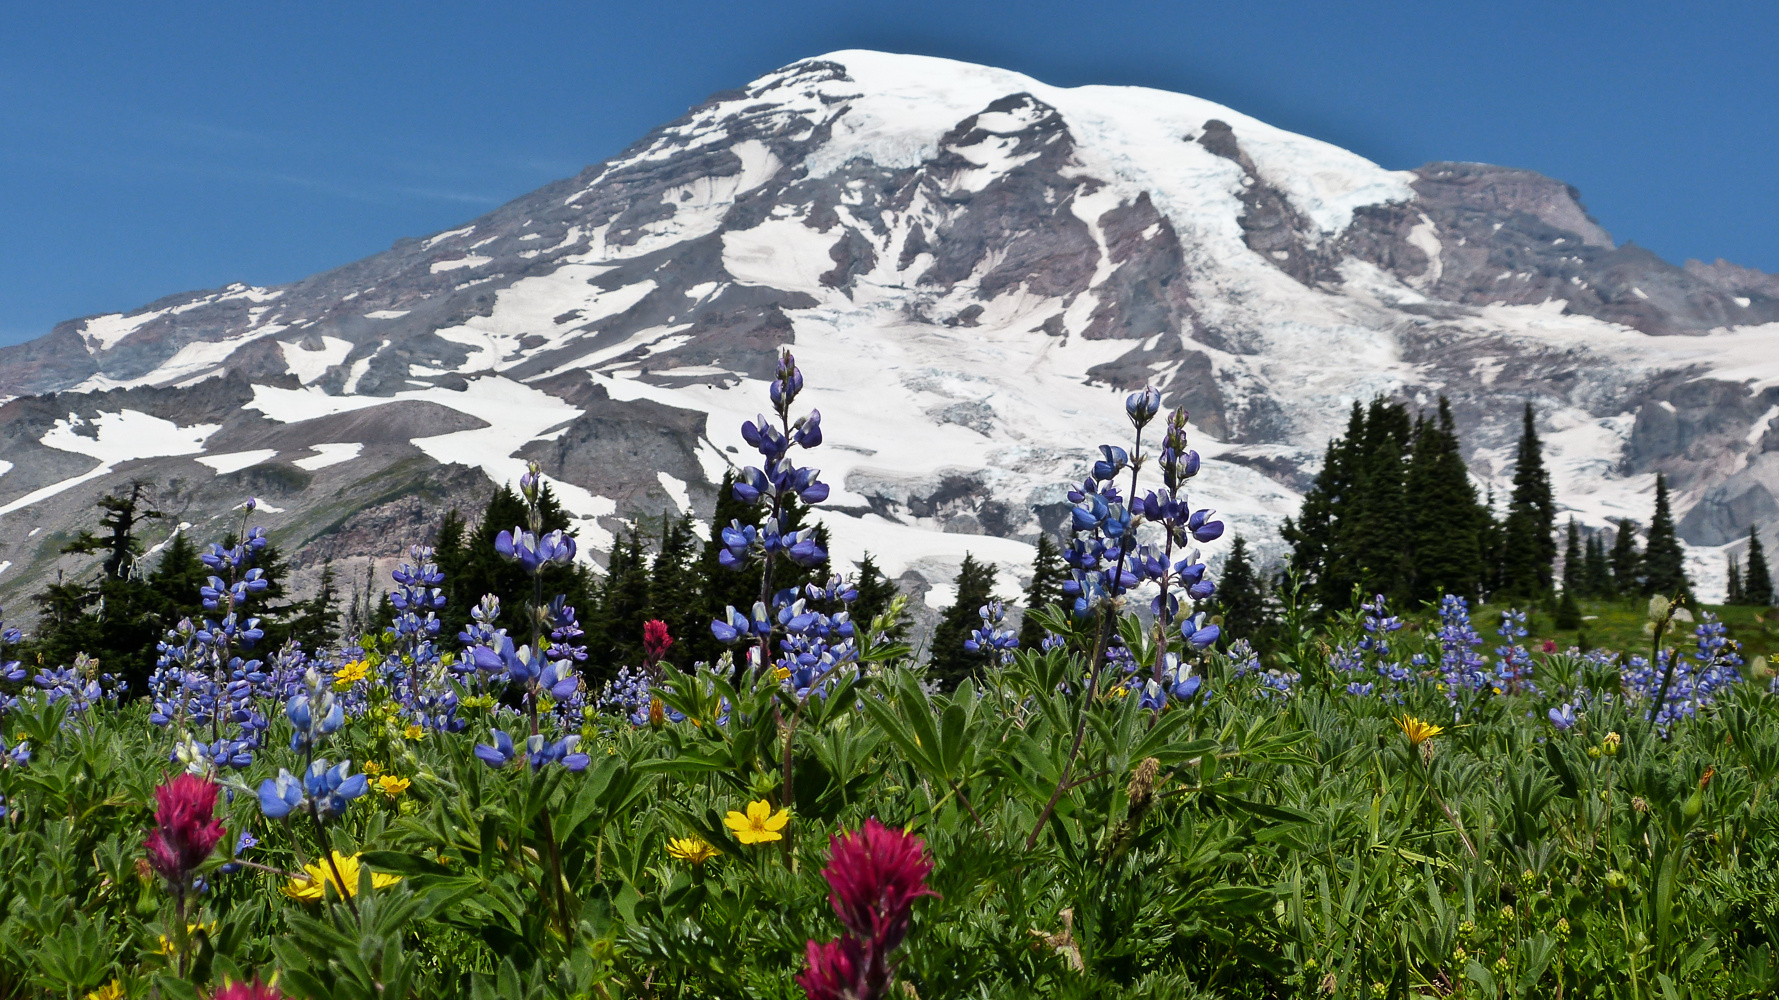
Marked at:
<point>255,990</point>
<point>186,830</point>
<point>876,875</point>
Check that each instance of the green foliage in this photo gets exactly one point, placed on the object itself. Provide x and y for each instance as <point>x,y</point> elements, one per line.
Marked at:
<point>1246,846</point>
<point>1241,599</point>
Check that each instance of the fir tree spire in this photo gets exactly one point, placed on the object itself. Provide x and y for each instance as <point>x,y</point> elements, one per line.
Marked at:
<point>1241,596</point>
<point>1530,550</point>
<point>1627,561</point>
<point>1733,593</point>
<point>1757,579</point>
<point>950,662</point>
<point>1048,574</point>
<point>1664,561</point>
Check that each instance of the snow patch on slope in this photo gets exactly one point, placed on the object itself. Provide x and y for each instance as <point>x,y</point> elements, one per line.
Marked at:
<point>116,438</point>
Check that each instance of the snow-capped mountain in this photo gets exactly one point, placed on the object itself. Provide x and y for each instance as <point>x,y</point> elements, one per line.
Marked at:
<point>971,267</point>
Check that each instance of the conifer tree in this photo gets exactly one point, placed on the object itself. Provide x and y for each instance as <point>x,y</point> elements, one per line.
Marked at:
<point>1568,612</point>
<point>1734,594</point>
<point>876,591</point>
<point>1574,564</point>
<point>1530,549</point>
<point>1048,574</point>
<point>113,616</point>
<point>1376,540</point>
<point>1757,579</point>
<point>1627,561</point>
<point>950,663</point>
<point>1492,542</point>
<point>1443,514</point>
<point>615,638</point>
<point>1598,575</point>
<point>1664,561</point>
<point>1241,597</point>
<point>316,622</point>
<point>176,579</point>
<point>674,597</point>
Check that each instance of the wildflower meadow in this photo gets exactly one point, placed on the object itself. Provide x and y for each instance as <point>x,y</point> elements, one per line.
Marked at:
<point>1134,801</point>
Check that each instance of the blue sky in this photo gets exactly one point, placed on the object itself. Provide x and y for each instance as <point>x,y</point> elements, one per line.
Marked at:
<point>148,149</point>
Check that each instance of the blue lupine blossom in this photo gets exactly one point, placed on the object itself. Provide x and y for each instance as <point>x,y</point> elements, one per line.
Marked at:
<point>993,637</point>
<point>537,750</point>
<point>772,484</point>
<point>1461,667</point>
<point>1513,664</point>
<point>1563,717</point>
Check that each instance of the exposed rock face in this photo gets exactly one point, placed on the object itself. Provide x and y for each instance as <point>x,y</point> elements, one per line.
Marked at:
<point>971,266</point>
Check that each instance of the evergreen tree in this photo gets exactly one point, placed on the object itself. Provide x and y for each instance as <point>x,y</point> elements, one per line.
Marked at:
<point>1664,561</point>
<point>1443,514</point>
<point>316,622</point>
<point>1568,612</point>
<point>1598,574</point>
<point>1757,579</point>
<point>950,662</point>
<point>115,616</point>
<point>1627,561</point>
<point>1314,536</point>
<point>1048,574</point>
<point>674,597</point>
<point>1530,549</point>
<point>614,629</point>
<point>176,580</point>
<point>1735,594</point>
<point>1241,597</point>
<point>1492,541</point>
<point>876,591</point>
<point>1574,564</point>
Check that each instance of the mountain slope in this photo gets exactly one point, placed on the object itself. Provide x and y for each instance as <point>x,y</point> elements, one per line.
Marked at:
<point>970,266</point>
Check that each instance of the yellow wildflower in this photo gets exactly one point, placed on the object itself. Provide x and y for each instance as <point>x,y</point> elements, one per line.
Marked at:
<point>760,825</point>
<point>350,674</point>
<point>414,732</point>
<point>372,768</point>
<point>391,785</point>
<point>167,947</point>
<point>692,849</point>
<point>780,673</point>
<point>311,886</point>
<point>113,990</point>
<point>1418,732</point>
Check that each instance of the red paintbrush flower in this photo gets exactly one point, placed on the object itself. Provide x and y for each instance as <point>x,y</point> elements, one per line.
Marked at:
<point>833,972</point>
<point>655,640</point>
<point>186,830</point>
<point>255,990</point>
<point>876,875</point>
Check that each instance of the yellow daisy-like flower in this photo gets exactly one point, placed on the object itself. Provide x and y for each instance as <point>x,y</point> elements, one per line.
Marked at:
<point>692,849</point>
<point>166,946</point>
<point>780,673</point>
<point>311,886</point>
<point>414,733</point>
<point>350,674</point>
<point>372,768</point>
<point>759,825</point>
<point>391,785</point>
<point>113,990</point>
<point>1418,732</point>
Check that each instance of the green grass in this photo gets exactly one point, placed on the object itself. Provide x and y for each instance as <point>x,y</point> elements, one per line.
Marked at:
<point>1618,625</point>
